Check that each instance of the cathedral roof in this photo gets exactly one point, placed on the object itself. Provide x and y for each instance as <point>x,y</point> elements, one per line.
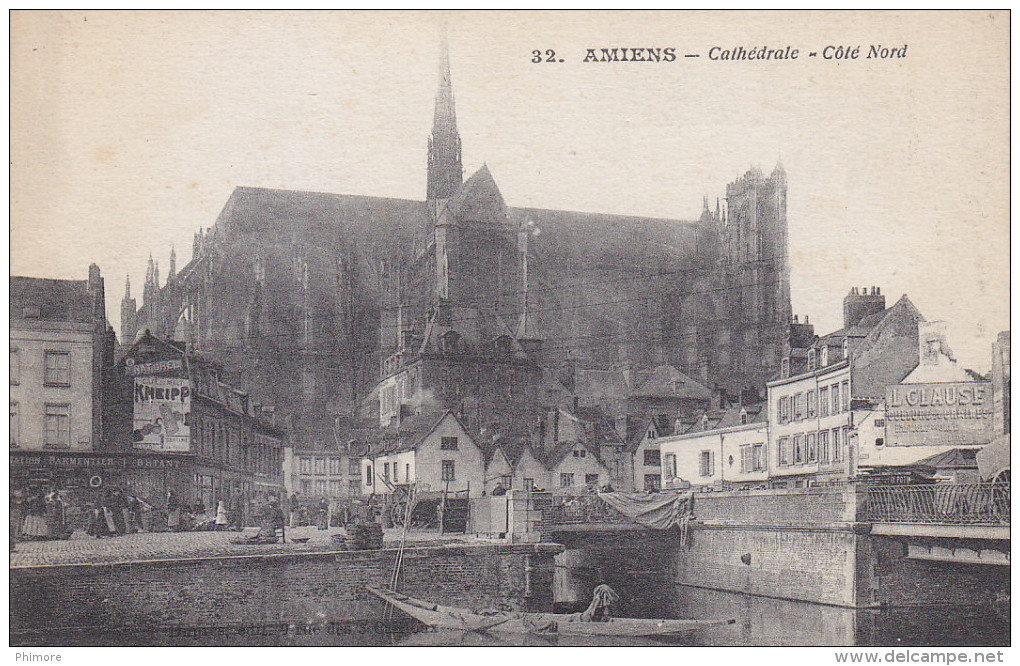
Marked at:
<point>595,240</point>
<point>479,200</point>
<point>264,210</point>
<point>668,382</point>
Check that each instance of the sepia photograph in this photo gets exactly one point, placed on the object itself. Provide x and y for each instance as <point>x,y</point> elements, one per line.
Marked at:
<point>520,328</point>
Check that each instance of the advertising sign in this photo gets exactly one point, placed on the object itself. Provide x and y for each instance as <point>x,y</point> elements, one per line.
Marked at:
<point>160,407</point>
<point>942,414</point>
<point>154,367</point>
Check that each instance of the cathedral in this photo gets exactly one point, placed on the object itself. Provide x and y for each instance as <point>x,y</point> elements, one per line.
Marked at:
<point>333,306</point>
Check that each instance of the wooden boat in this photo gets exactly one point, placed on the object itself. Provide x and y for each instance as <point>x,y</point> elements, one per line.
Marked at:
<point>461,619</point>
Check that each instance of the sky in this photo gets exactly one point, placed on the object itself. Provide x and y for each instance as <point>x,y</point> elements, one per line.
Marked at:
<point>129,130</point>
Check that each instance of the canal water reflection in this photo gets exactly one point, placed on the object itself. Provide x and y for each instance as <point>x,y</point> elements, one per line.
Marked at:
<point>758,622</point>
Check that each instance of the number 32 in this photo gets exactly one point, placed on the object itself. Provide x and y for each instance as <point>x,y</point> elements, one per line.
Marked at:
<point>550,56</point>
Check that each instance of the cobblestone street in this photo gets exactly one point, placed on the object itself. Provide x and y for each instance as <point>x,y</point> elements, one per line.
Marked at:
<point>84,549</point>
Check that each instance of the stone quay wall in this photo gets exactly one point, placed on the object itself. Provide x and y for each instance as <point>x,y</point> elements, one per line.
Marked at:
<point>799,544</point>
<point>303,589</point>
<point>809,545</point>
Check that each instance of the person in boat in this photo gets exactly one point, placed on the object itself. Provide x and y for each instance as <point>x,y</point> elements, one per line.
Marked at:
<point>600,609</point>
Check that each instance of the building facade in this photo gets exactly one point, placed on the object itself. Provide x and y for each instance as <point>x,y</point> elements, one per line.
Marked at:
<point>61,361</point>
<point>809,435</point>
<point>725,448</point>
<point>432,451</point>
<point>201,437</point>
<point>61,356</point>
<point>321,473</point>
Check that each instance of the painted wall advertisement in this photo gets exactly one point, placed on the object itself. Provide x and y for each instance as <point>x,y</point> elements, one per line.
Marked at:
<point>943,414</point>
<point>161,405</point>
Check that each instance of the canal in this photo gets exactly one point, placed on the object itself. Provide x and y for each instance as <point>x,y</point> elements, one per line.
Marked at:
<point>758,622</point>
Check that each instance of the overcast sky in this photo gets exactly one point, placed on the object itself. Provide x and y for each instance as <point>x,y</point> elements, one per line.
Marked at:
<point>130,130</point>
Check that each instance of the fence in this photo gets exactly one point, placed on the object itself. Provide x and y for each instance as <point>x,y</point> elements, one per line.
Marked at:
<point>582,509</point>
<point>946,504</point>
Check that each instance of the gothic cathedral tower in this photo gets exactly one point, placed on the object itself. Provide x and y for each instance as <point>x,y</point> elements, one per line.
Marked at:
<point>445,171</point>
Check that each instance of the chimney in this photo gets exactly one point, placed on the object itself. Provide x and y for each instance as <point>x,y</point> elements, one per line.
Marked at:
<point>858,305</point>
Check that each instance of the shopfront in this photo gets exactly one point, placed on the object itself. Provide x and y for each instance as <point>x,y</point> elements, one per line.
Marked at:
<point>83,479</point>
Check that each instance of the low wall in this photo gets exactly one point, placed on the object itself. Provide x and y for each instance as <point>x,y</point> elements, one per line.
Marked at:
<point>312,588</point>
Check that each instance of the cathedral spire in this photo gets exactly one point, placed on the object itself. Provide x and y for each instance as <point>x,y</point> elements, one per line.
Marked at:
<point>127,287</point>
<point>445,171</point>
<point>173,265</point>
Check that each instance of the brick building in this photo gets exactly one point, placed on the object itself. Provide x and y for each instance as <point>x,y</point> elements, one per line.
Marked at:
<point>198,434</point>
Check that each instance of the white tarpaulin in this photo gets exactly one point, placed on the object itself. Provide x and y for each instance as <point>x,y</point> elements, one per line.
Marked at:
<point>658,511</point>
<point>994,457</point>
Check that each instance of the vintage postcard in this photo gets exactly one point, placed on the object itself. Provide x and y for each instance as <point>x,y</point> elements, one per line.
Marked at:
<point>510,329</point>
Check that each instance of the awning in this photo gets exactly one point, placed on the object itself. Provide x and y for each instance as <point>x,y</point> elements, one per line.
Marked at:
<point>994,457</point>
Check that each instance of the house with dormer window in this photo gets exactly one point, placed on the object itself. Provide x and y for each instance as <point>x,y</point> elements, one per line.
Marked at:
<point>722,449</point>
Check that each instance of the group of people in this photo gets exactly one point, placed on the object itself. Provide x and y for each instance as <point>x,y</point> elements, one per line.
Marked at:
<point>116,514</point>
<point>51,513</point>
<point>38,515</point>
<point>225,515</point>
<point>299,513</point>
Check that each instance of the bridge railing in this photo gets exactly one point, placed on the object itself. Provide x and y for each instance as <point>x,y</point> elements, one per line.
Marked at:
<point>581,509</point>
<point>945,504</point>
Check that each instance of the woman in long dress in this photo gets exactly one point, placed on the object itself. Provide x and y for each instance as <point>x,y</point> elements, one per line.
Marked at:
<point>173,512</point>
<point>55,515</point>
<point>221,516</point>
<point>35,526</point>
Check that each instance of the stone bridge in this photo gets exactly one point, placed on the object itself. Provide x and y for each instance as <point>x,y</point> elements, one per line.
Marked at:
<point>853,545</point>
<point>950,522</point>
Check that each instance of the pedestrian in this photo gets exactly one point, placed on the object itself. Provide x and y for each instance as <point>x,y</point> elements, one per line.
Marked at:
<point>118,507</point>
<point>55,515</point>
<point>97,521</point>
<point>35,525</point>
<point>221,516</point>
<point>111,524</point>
<point>173,512</point>
<point>236,511</point>
<point>293,510</point>
<point>133,514</point>
<point>323,517</point>
<point>17,515</point>
<point>278,520</point>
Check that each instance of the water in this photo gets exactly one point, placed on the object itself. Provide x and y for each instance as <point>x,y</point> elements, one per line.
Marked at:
<point>759,622</point>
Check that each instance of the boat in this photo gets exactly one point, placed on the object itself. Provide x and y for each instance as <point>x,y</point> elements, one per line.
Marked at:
<point>562,624</point>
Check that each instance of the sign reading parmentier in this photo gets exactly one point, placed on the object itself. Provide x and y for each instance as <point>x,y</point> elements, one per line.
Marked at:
<point>945,414</point>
